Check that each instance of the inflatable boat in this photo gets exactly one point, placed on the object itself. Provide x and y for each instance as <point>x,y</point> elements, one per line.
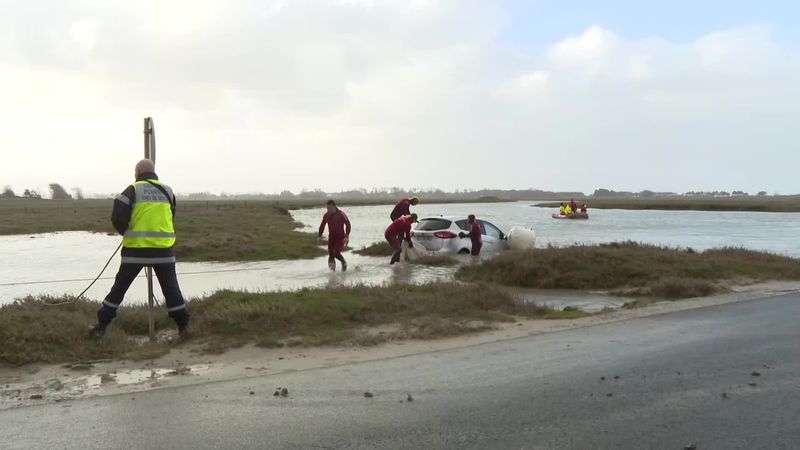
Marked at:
<point>573,216</point>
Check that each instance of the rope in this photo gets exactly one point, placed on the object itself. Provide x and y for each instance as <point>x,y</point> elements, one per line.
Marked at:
<point>101,272</point>
<point>90,284</point>
<point>74,280</point>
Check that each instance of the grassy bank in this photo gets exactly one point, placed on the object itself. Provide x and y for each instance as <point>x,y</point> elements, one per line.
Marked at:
<point>376,249</point>
<point>32,331</point>
<point>218,231</point>
<point>754,203</point>
<point>633,269</point>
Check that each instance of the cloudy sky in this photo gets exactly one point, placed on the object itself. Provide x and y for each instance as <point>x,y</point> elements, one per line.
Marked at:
<point>267,95</point>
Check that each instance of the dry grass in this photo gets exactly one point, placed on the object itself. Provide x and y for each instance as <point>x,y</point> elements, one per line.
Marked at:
<point>633,269</point>
<point>34,332</point>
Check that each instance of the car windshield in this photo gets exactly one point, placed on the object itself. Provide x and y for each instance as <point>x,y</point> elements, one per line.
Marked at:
<point>433,224</point>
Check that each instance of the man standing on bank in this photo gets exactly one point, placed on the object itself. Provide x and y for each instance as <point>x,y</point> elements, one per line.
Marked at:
<point>143,215</point>
<point>338,234</point>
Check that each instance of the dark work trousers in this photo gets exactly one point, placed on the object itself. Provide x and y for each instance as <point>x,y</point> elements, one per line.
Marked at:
<point>476,248</point>
<point>167,278</point>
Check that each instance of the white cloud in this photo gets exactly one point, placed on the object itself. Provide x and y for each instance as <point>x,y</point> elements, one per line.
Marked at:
<point>265,96</point>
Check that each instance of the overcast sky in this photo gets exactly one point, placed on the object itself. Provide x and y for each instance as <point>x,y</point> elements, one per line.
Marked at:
<point>252,96</point>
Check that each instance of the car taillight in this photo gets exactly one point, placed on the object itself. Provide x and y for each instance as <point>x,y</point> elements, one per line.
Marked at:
<point>445,235</point>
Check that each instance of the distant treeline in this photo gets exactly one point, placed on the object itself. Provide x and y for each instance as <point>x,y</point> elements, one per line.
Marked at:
<point>393,194</point>
<point>467,194</point>
<point>648,193</point>
<point>57,192</point>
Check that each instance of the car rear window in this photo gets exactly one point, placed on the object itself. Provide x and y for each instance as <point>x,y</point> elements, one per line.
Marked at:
<point>463,224</point>
<point>433,224</point>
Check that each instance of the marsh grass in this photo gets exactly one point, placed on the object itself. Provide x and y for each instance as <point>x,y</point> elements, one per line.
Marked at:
<point>33,331</point>
<point>207,231</point>
<point>632,269</point>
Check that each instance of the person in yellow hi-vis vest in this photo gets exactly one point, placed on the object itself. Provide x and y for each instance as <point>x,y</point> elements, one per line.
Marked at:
<point>143,215</point>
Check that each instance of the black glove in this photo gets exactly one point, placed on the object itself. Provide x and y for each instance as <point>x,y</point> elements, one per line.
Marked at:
<point>410,244</point>
<point>462,235</point>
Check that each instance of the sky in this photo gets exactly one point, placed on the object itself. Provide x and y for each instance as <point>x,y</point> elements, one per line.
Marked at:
<point>271,95</point>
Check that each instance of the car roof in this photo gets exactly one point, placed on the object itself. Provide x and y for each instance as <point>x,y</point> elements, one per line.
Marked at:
<point>453,218</point>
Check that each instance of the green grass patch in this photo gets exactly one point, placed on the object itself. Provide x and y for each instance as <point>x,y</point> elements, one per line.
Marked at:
<point>207,231</point>
<point>376,249</point>
<point>32,331</point>
<point>633,269</point>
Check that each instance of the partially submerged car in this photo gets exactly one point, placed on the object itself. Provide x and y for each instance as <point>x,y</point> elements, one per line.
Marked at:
<point>440,235</point>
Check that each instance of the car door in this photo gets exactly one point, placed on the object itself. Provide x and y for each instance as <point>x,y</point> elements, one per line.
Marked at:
<point>492,236</point>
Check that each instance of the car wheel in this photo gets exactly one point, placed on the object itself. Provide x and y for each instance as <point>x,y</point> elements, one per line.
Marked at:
<point>463,251</point>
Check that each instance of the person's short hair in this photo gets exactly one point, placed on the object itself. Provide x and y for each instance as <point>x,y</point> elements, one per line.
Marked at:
<point>471,217</point>
<point>330,203</point>
<point>414,217</point>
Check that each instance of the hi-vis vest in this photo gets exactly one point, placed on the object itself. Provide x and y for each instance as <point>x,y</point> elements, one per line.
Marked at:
<point>151,219</point>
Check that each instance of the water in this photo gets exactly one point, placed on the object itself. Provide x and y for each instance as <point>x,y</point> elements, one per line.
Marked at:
<point>45,264</point>
<point>65,263</point>
<point>701,230</point>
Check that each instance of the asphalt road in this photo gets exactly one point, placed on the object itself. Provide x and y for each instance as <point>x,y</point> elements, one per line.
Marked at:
<point>683,378</point>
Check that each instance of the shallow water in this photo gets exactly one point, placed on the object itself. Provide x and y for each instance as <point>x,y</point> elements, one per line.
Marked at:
<point>65,263</point>
<point>701,230</point>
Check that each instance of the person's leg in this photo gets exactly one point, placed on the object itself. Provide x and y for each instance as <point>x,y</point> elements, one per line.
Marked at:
<point>125,276</point>
<point>476,248</point>
<point>395,243</point>
<point>337,253</point>
<point>332,243</point>
<point>176,306</point>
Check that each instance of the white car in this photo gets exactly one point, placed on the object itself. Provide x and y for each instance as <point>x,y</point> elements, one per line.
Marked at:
<point>440,234</point>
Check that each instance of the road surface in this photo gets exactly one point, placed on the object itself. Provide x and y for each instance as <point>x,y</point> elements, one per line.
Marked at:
<point>725,377</point>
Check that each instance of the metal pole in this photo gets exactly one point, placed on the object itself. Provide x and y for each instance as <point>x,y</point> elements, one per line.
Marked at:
<point>150,153</point>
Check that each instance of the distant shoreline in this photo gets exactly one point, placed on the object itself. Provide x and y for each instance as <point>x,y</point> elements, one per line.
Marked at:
<point>749,204</point>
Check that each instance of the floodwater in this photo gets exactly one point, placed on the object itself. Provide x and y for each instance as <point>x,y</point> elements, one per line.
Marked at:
<point>65,263</point>
<point>701,230</point>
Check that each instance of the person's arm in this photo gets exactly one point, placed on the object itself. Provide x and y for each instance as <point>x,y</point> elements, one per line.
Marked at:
<point>471,232</point>
<point>347,226</point>
<point>322,225</point>
<point>408,236</point>
<point>123,207</point>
